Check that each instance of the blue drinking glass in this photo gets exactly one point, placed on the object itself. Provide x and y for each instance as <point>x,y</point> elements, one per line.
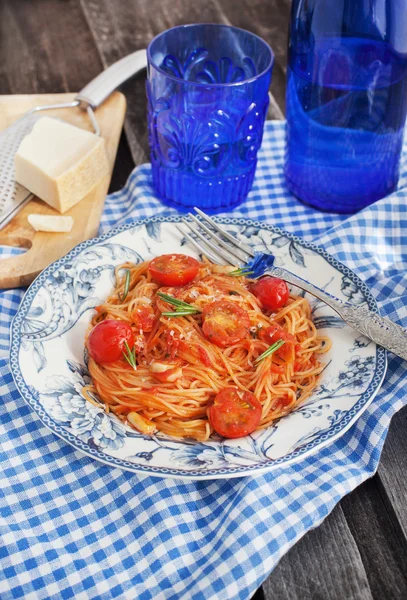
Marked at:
<point>207,95</point>
<point>346,101</point>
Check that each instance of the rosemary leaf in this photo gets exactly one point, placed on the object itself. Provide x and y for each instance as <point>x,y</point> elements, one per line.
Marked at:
<point>130,355</point>
<point>240,272</point>
<point>270,350</point>
<point>180,313</point>
<point>179,304</point>
<point>170,299</point>
<point>122,297</point>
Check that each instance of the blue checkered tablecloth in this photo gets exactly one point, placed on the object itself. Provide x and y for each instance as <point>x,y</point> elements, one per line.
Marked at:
<point>73,528</point>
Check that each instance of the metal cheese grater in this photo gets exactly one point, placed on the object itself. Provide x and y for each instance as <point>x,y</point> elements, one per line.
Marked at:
<point>14,196</point>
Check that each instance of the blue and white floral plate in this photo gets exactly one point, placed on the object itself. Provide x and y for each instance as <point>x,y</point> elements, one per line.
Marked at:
<point>47,357</point>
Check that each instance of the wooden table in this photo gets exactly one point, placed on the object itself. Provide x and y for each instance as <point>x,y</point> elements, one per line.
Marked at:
<point>360,550</point>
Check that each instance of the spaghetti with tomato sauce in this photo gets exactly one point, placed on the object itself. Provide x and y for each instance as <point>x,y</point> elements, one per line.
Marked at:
<point>183,348</point>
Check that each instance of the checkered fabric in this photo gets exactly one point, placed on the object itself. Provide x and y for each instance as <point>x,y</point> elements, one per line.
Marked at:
<point>73,528</point>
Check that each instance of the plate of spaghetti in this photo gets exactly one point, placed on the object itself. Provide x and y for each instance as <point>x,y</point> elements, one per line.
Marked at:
<point>146,356</point>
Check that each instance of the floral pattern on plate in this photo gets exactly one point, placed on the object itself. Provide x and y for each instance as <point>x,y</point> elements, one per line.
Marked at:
<point>49,364</point>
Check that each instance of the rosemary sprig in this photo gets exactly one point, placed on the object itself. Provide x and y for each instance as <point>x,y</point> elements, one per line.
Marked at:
<point>182,309</point>
<point>130,355</point>
<point>177,303</point>
<point>240,272</point>
<point>270,350</point>
<point>179,313</point>
<point>122,297</point>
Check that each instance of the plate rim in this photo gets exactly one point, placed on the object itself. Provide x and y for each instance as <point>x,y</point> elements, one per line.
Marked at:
<point>320,442</point>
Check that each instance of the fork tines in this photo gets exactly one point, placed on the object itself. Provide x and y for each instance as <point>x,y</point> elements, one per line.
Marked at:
<point>218,248</point>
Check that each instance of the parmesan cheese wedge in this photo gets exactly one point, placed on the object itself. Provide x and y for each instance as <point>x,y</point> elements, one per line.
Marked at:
<point>51,223</point>
<point>60,163</point>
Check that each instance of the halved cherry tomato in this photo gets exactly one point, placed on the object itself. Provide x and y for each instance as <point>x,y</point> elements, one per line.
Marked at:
<point>273,334</point>
<point>224,323</point>
<point>143,318</point>
<point>234,413</point>
<point>173,269</point>
<point>272,292</point>
<point>106,341</point>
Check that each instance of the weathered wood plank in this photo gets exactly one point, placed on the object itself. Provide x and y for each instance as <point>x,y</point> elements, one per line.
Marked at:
<point>46,46</point>
<point>380,540</point>
<point>325,565</point>
<point>393,469</point>
<point>121,28</point>
<point>370,533</point>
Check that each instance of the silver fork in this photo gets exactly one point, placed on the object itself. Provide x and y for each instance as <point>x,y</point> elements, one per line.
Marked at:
<point>222,247</point>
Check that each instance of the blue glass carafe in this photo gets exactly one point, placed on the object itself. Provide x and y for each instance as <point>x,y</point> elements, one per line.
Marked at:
<point>346,101</point>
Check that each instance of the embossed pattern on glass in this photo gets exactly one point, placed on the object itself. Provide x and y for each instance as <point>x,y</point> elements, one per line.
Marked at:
<point>207,101</point>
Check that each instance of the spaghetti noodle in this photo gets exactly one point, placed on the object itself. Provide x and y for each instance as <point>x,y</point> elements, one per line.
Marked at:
<point>180,371</point>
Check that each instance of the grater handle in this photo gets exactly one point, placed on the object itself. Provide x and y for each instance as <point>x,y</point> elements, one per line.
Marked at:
<point>104,84</point>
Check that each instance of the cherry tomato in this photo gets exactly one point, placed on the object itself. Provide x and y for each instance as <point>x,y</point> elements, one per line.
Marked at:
<point>234,413</point>
<point>272,292</point>
<point>106,340</point>
<point>173,269</point>
<point>273,334</point>
<point>143,318</point>
<point>224,323</point>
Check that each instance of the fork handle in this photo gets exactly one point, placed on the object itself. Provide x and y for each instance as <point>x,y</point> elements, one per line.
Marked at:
<point>380,330</point>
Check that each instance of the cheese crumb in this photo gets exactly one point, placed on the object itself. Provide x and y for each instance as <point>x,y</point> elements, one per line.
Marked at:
<point>51,223</point>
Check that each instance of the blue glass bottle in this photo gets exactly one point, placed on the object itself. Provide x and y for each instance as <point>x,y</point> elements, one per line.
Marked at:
<point>346,101</point>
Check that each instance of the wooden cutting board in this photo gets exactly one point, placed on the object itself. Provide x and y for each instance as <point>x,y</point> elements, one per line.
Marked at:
<point>44,248</point>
